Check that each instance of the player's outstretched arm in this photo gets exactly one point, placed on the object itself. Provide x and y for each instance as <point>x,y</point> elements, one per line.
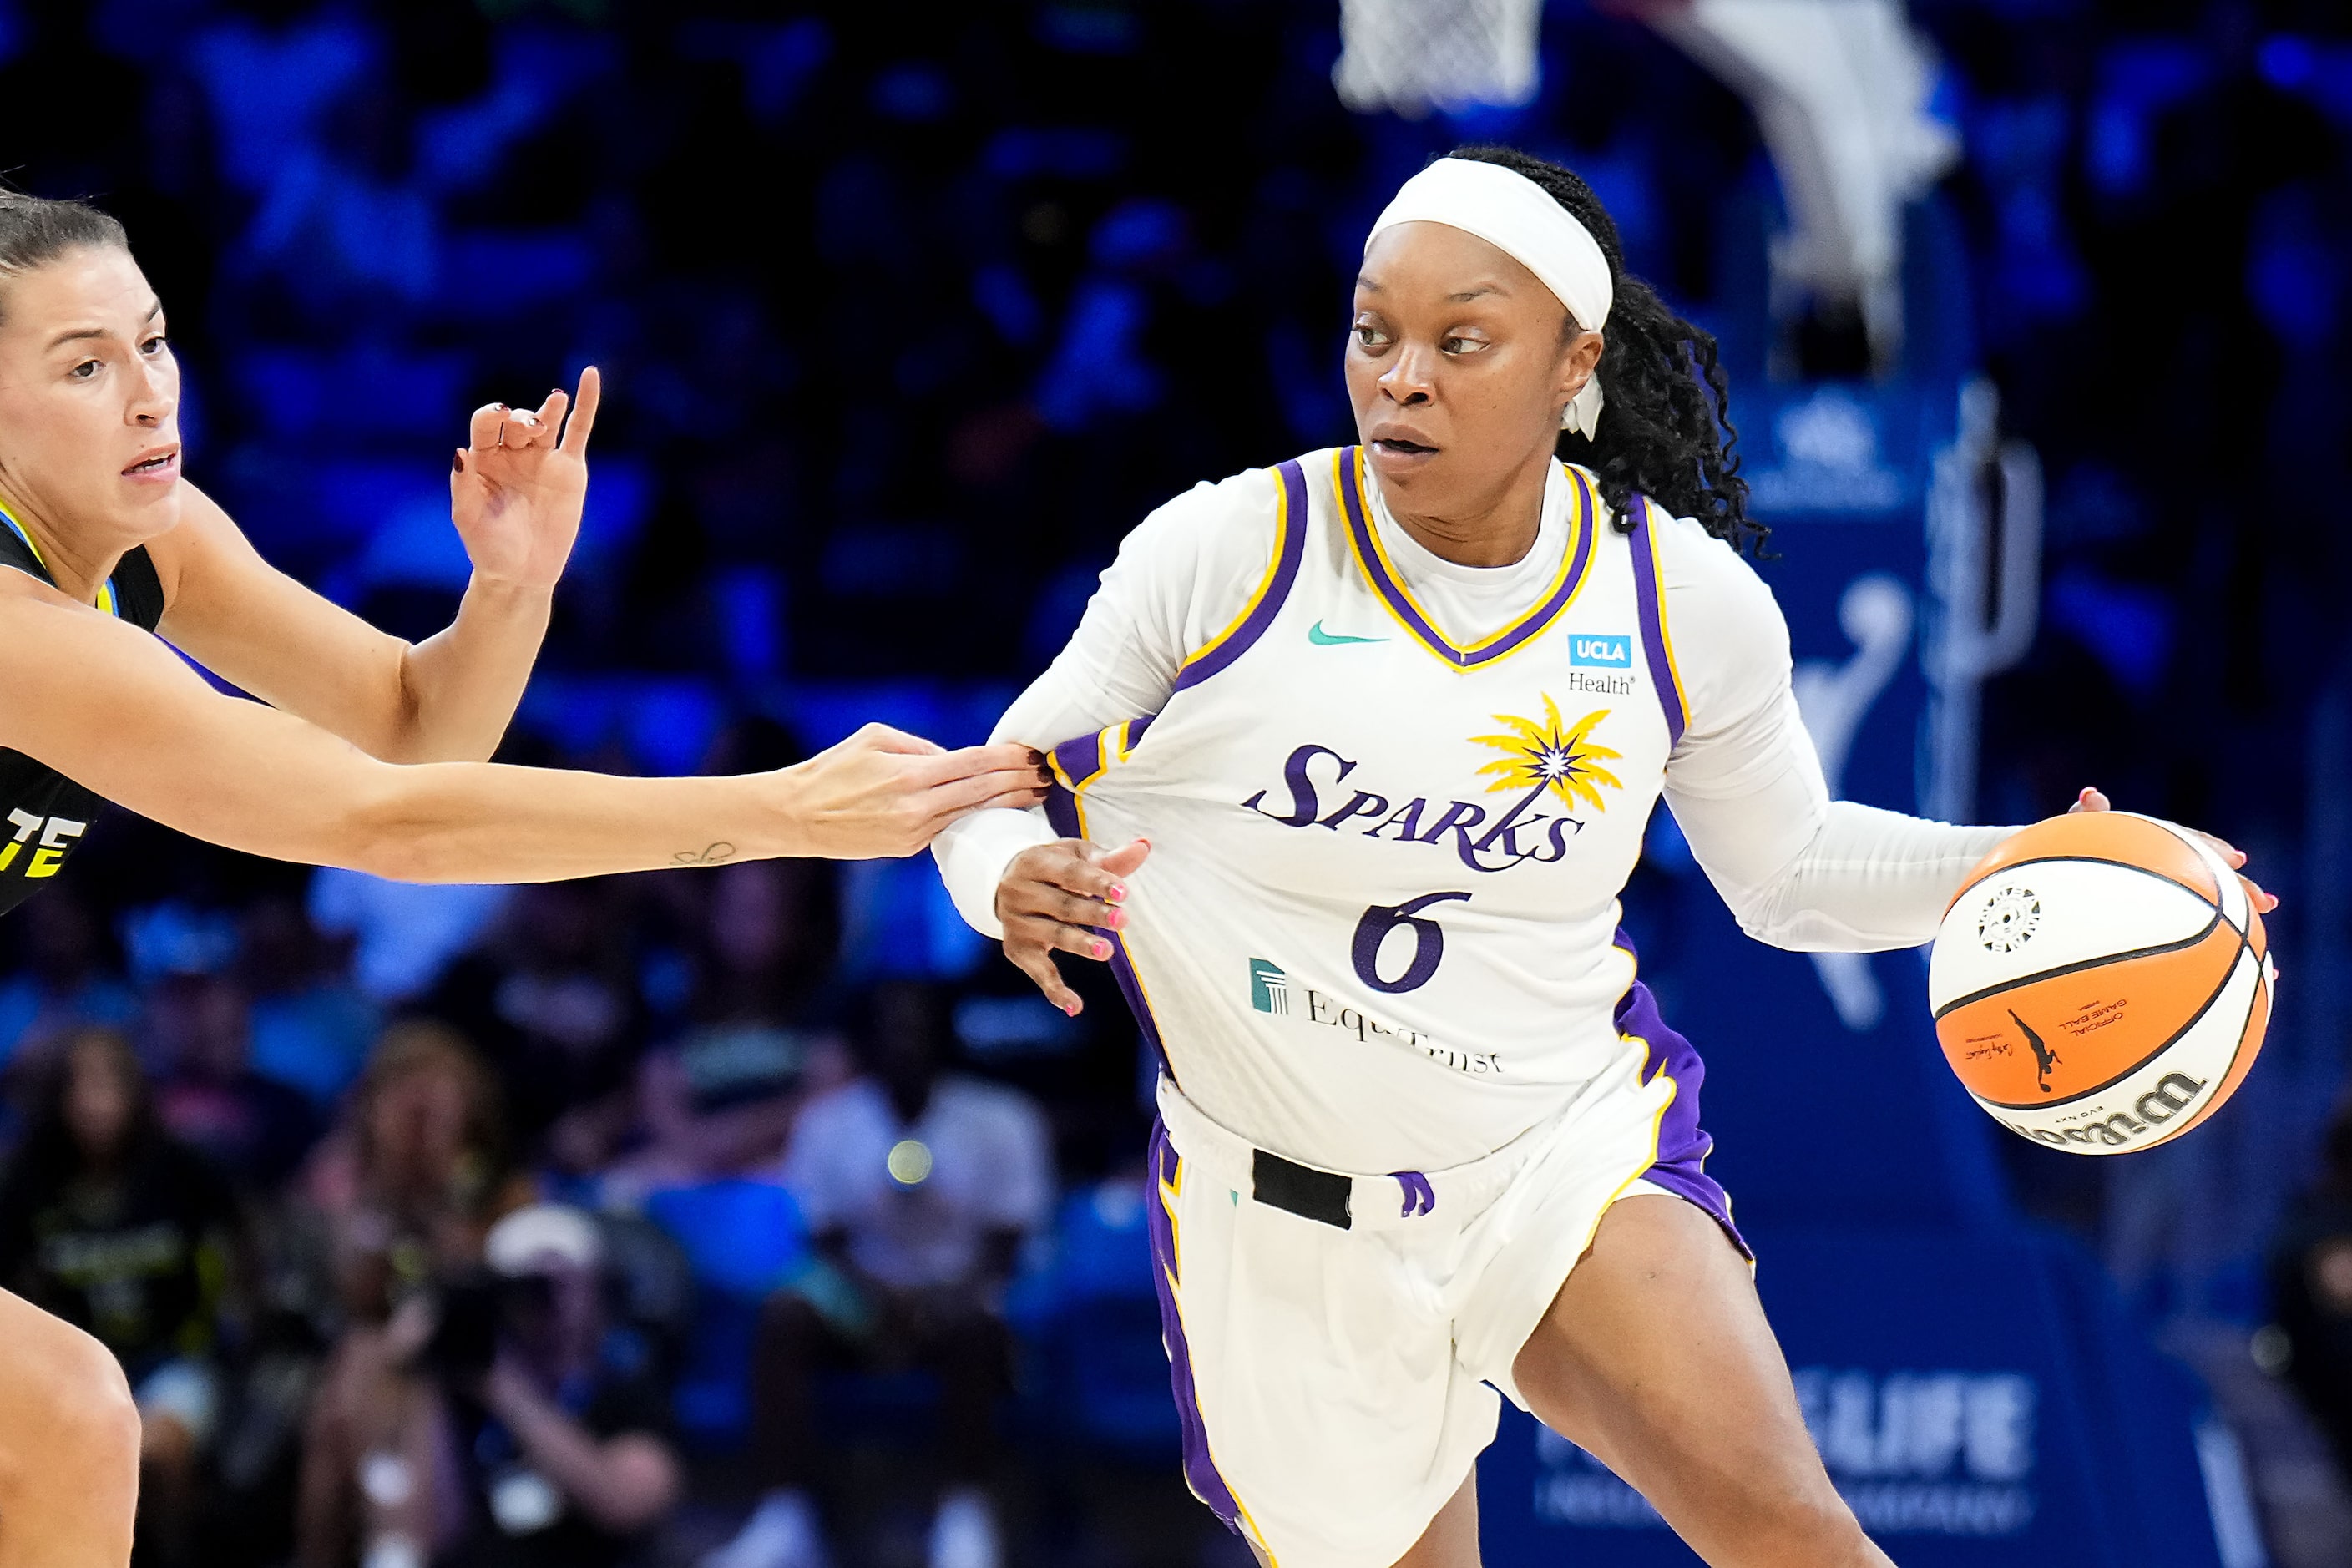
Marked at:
<point>69,1445</point>
<point>110,707</point>
<point>1060,897</point>
<point>516,494</point>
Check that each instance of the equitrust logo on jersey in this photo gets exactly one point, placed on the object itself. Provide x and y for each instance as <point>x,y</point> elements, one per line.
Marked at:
<point>1269,988</point>
<point>1272,991</point>
<point>1615,652</point>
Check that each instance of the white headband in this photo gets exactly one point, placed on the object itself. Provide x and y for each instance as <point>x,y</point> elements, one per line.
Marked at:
<point>1519,217</point>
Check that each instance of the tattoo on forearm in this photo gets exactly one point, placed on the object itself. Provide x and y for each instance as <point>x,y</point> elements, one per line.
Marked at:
<point>715,855</point>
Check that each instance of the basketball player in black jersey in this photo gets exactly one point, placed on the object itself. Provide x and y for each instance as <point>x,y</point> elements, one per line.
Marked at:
<point>364,750</point>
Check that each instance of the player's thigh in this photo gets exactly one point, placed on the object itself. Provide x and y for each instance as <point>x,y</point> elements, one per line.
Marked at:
<point>69,1445</point>
<point>1655,1358</point>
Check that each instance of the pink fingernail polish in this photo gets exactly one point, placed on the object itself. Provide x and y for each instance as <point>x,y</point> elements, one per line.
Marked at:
<point>1101,948</point>
<point>1118,894</point>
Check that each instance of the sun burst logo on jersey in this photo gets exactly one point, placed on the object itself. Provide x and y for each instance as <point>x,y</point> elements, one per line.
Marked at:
<point>1553,755</point>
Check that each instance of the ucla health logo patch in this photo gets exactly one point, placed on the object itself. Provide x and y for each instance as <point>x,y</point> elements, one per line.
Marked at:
<point>1269,988</point>
<point>1607,652</point>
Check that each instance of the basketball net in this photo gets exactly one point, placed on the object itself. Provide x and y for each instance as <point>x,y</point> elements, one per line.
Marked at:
<point>1412,57</point>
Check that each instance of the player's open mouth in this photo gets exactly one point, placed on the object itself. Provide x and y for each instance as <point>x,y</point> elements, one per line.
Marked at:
<point>155,464</point>
<point>1400,447</point>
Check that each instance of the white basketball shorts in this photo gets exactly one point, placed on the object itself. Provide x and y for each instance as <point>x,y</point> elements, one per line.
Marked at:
<point>1337,1376</point>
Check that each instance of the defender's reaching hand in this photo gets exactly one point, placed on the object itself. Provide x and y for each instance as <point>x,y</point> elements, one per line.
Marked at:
<point>885,793</point>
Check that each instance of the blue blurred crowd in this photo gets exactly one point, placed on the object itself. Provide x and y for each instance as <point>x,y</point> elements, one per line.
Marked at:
<point>906,316</point>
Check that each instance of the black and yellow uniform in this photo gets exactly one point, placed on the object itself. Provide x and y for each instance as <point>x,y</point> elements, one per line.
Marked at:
<point>44,814</point>
<point>137,1255</point>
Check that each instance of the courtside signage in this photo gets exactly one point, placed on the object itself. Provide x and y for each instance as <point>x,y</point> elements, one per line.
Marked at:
<point>1913,1453</point>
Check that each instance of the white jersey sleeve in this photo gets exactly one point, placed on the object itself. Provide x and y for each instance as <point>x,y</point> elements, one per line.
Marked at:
<point>1798,869</point>
<point>1184,573</point>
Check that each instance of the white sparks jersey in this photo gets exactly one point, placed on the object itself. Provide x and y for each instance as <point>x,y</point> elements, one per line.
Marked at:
<point>1378,928</point>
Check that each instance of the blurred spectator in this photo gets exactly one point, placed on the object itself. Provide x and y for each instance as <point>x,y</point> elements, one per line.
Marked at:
<point>64,983</point>
<point>403,934</point>
<point>2311,1292</point>
<point>344,230</point>
<point>311,1026</point>
<point>418,1172</point>
<point>208,1093</point>
<point>721,1097</point>
<point>552,999</point>
<point>770,943</point>
<point>918,1185</point>
<point>112,1224</point>
<point>1100,369</point>
<point>523,1431</point>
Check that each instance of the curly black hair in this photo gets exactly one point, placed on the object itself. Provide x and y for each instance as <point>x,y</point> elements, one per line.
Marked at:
<point>1661,434</point>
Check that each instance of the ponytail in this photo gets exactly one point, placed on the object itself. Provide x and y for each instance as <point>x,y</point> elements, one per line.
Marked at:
<point>1667,430</point>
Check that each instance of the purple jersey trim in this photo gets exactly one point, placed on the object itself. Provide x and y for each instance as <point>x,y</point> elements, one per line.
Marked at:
<point>1080,762</point>
<point>1350,485</point>
<point>1648,592</point>
<point>1200,1466</point>
<point>1290,548</point>
<point>1683,1144</point>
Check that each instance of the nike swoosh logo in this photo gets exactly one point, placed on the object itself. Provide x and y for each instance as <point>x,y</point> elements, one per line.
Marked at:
<point>1321,638</point>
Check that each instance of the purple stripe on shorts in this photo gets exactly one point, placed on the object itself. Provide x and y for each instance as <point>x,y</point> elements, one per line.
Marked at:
<point>1200,1469</point>
<point>1420,1198</point>
<point>1292,548</point>
<point>1683,1144</point>
<point>1653,625</point>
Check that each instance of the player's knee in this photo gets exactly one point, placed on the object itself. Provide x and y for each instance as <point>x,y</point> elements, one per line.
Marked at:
<point>100,1417</point>
<point>73,1410</point>
<point>1810,1527</point>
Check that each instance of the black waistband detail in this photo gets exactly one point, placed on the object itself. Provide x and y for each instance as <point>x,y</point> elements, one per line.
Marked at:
<point>1309,1193</point>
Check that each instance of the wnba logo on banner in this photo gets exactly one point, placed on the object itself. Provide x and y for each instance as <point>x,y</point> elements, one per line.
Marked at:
<point>1606,652</point>
<point>1269,988</point>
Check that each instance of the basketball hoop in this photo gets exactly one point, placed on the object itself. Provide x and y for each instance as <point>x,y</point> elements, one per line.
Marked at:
<point>1411,56</point>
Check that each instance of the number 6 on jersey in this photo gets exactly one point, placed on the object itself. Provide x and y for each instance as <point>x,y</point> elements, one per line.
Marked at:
<point>1428,941</point>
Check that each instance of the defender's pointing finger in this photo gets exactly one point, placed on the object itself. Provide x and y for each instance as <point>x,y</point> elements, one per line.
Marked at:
<point>583,411</point>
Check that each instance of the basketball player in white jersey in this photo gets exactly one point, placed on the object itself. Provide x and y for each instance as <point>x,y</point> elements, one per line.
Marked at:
<point>1388,722</point>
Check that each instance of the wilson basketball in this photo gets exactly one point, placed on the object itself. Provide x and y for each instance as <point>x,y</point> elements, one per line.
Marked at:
<point>2102,982</point>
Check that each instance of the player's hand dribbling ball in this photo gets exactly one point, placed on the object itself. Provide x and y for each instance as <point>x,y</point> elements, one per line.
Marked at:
<point>2102,981</point>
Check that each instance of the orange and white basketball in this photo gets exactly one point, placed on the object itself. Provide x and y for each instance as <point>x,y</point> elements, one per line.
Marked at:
<point>2102,981</point>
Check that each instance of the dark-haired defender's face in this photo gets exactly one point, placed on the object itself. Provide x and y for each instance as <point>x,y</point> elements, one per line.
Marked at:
<point>90,400</point>
<point>1459,364</point>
